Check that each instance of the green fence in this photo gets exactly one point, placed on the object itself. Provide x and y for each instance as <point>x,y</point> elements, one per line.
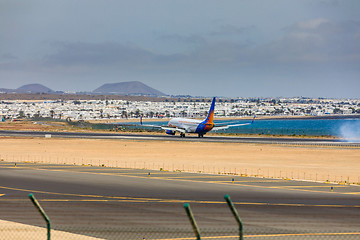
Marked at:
<point>187,225</point>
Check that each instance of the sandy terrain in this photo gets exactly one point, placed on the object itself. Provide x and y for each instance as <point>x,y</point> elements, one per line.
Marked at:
<point>19,231</point>
<point>306,162</point>
<point>35,126</point>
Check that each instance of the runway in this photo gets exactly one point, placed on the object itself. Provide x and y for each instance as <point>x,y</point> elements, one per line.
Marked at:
<point>189,138</point>
<point>118,203</point>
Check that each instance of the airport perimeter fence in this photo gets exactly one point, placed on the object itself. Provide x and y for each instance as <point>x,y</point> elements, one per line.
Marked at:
<point>259,172</point>
<point>140,223</point>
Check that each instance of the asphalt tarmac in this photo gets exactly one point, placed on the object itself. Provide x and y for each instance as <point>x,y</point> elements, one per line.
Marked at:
<point>188,138</point>
<point>117,203</point>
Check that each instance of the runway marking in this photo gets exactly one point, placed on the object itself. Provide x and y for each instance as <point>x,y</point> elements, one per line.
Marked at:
<point>109,169</point>
<point>327,186</point>
<point>268,235</point>
<point>229,177</point>
<point>354,193</point>
<point>236,177</point>
<point>214,175</point>
<point>157,200</point>
<point>77,195</point>
<point>195,181</point>
<point>212,182</point>
<point>180,201</point>
<point>240,183</point>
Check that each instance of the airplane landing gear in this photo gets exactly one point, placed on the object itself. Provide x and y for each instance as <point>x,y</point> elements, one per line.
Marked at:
<point>201,135</point>
<point>182,135</point>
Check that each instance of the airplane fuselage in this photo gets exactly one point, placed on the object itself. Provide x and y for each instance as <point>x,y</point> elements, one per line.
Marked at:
<point>190,125</point>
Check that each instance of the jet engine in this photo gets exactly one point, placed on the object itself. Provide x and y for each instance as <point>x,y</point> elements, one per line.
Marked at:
<point>170,132</point>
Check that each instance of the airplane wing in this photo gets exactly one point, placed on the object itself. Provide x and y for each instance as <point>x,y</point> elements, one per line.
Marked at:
<point>149,125</point>
<point>222,127</point>
<point>136,124</point>
<point>166,128</point>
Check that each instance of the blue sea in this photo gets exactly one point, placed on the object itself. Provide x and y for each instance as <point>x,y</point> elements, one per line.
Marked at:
<point>312,127</point>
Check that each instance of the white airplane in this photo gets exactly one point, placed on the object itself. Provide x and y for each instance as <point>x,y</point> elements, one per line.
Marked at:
<point>186,125</point>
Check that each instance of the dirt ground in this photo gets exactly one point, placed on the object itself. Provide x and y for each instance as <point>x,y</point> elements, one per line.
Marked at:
<point>279,161</point>
<point>13,230</point>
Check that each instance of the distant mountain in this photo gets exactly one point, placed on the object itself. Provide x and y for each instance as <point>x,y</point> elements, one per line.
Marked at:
<point>6,90</point>
<point>128,88</point>
<point>29,88</point>
<point>34,88</point>
<point>122,88</point>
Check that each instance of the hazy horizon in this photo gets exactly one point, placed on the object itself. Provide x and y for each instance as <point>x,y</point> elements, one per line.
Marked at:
<point>206,96</point>
<point>257,48</point>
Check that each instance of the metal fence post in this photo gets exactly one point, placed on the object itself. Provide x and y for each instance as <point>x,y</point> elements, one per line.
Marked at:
<point>236,215</point>
<point>42,212</point>
<point>192,221</point>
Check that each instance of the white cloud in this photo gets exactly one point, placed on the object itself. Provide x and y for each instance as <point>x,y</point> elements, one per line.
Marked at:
<point>315,41</point>
<point>229,29</point>
<point>85,53</point>
<point>312,24</point>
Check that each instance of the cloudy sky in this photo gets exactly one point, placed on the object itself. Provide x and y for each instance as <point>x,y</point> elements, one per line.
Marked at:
<point>249,48</point>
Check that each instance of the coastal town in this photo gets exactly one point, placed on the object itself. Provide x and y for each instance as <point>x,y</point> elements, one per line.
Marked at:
<point>109,109</point>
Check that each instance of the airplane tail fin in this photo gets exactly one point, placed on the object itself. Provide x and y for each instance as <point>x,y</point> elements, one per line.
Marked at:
<point>210,117</point>
<point>253,119</point>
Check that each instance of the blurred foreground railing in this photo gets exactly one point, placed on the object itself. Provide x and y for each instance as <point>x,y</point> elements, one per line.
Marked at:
<point>163,232</point>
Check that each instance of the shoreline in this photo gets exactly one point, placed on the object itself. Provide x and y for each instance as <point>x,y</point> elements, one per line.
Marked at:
<point>49,126</point>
